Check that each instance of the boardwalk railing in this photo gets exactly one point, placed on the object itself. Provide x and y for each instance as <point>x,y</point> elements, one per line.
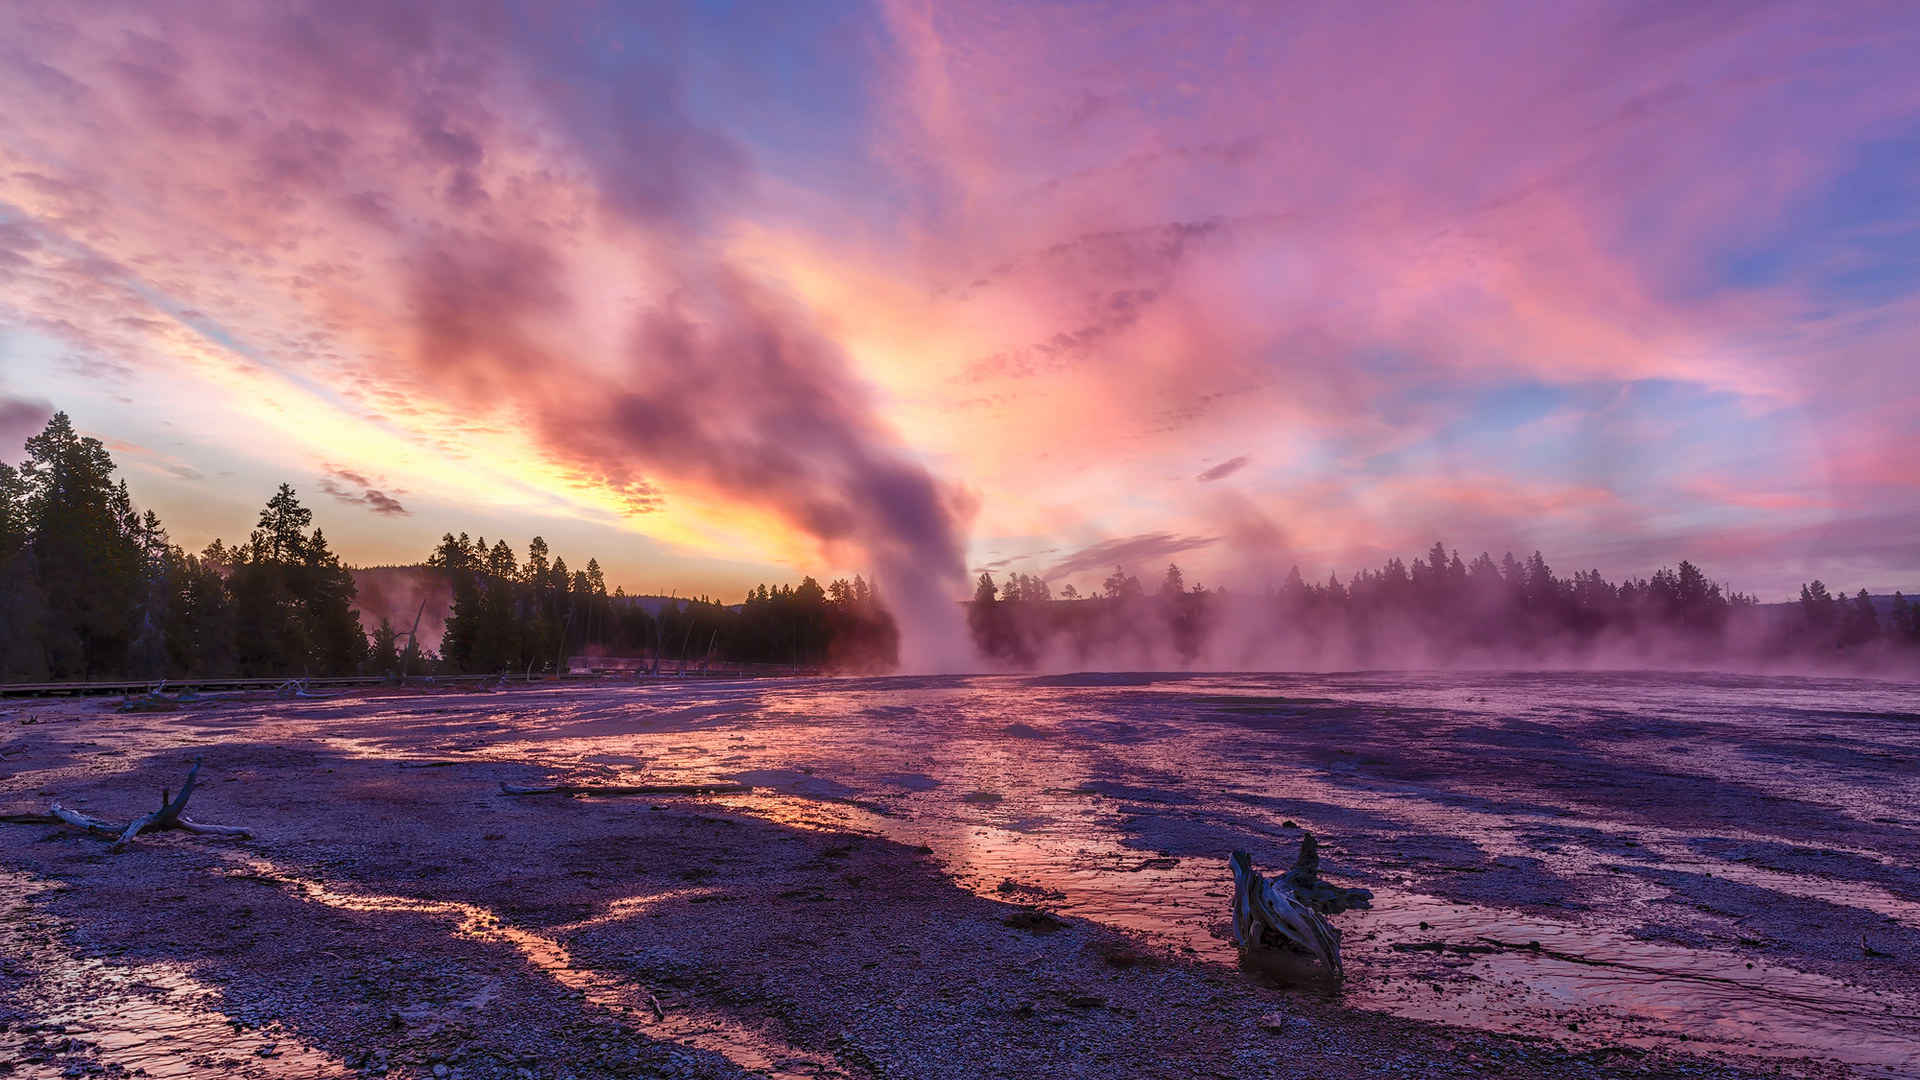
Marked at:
<point>609,674</point>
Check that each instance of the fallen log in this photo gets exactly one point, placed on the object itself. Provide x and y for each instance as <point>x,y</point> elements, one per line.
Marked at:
<point>169,816</point>
<point>626,789</point>
<point>1289,912</point>
<point>153,701</point>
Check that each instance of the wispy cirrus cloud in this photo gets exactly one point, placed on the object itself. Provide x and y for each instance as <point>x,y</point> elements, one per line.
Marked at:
<point>1126,552</point>
<point>355,489</point>
<point>1224,469</point>
<point>1563,261</point>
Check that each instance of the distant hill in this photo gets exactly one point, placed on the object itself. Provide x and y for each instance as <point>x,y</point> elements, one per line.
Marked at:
<point>654,604</point>
<point>1882,604</point>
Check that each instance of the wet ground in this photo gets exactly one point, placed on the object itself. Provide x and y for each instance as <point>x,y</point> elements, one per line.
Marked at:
<point>1574,875</point>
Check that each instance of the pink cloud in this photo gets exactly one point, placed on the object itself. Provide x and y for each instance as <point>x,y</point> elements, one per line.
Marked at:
<point>354,489</point>
<point>1117,241</point>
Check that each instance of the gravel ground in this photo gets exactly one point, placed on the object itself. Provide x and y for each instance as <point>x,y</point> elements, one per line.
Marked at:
<point>397,915</point>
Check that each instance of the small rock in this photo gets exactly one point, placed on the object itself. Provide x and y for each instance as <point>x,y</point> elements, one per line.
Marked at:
<point>441,1070</point>
<point>1034,920</point>
<point>1279,1023</point>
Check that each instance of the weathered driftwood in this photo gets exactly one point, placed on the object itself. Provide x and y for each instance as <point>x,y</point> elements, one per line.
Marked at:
<point>1289,912</point>
<point>626,789</point>
<point>154,700</point>
<point>157,699</point>
<point>84,823</point>
<point>167,817</point>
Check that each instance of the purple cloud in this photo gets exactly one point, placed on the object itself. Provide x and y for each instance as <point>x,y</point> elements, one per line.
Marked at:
<point>19,419</point>
<point>1126,551</point>
<point>342,485</point>
<point>1224,469</point>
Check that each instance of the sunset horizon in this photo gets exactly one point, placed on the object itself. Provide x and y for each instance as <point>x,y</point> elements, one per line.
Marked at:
<point>947,539</point>
<point>621,282</point>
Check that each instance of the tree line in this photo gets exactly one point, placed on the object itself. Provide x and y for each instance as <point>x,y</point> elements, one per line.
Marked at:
<point>1435,611</point>
<point>92,588</point>
<point>510,615</point>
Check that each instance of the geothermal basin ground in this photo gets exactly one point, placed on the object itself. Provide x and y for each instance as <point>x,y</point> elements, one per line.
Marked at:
<point>1574,875</point>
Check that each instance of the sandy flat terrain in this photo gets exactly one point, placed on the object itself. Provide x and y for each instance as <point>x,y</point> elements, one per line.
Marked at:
<point>972,877</point>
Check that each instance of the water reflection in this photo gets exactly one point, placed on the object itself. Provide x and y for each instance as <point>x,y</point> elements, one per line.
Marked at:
<point>1116,803</point>
<point>1615,987</point>
<point>90,1015</point>
<point>1586,813</point>
<point>751,1050</point>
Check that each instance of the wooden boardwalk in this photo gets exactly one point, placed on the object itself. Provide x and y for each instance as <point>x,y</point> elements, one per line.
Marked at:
<point>174,686</point>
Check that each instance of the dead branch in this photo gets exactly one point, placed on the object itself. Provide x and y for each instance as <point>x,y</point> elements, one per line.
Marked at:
<point>201,828</point>
<point>1289,912</point>
<point>167,817</point>
<point>627,789</point>
<point>168,813</point>
<point>152,701</point>
<point>82,822</point>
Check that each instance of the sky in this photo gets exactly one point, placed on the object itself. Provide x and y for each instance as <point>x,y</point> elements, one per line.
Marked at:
<point>726,292</point>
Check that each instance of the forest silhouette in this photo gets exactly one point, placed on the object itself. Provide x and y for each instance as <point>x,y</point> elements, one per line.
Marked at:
<point>1438,611</point>
<point>92,588</point>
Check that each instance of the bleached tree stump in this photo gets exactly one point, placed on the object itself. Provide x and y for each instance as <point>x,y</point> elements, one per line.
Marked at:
<point>1289,912</point>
